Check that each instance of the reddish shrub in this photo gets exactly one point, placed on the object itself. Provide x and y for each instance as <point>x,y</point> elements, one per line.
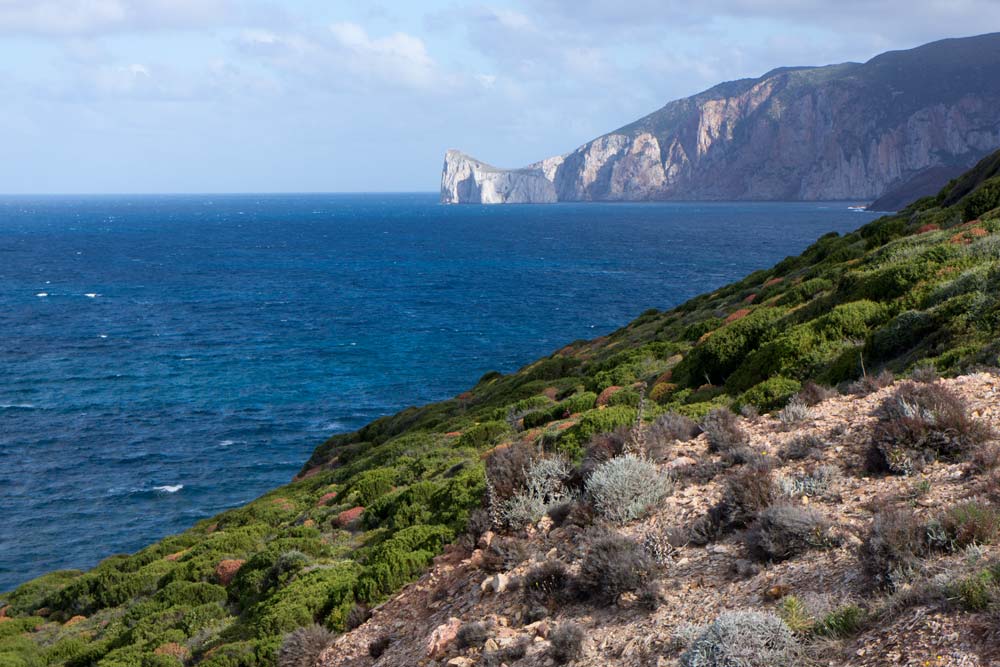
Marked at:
<point>738,315</point>
<point>773,281</point>
<point>347,517</point>
<point>928,228</point>
<point>605,396</point>
<point>226,570</point>
<point>749,298</point>
<point>326,498</point>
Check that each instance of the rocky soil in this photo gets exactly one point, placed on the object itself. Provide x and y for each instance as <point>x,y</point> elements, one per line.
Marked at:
<point>699,582</point>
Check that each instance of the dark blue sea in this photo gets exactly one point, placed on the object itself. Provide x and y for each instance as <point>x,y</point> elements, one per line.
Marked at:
<point>163,358</point>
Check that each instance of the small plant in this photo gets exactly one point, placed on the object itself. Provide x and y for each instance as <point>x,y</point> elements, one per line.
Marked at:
<point>357,616</point>
<point>624,488</point>
<point>544,487</point>
<point>658,546</point>
<point>672,427</point>
<point>504,553</point>
<point>785,531</point>
<point>744,638</point>
<point>892,550</point>
<point>506,655</point>
<point>747,492</point>
<point>972,522</point>
<point>650,596</point>
<point>378,646</point>
<point>506,468</point>
<point>841,622</point>
<point>795,615</point>
<point>547,583</point>
<point>566,643</point>
<point>925,373</point>
<point>302,647</point>
<point>976,591</point>
<point>813,394</point>
<point>814,484</point>
<point>749,411</point>
<point>794,413</point>
<point>614,565</point>
<point>869,384</point>
<point>472,635</point>
<point>724,432</point>
<point>802,447</point>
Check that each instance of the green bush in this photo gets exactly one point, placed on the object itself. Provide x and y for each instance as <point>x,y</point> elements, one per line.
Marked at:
<point>572,405</point>
<point>770,394</point>
<point>321,595</point>
<point>484,435</point>
<point>727,347</point>
<point>398,559</point>
<point>372,484</point>
<point>984,199</point>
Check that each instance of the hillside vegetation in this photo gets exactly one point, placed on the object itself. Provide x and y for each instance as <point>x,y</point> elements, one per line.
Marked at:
<point>371,509</point>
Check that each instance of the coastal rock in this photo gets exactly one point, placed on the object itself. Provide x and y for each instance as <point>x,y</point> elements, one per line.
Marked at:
<point>894,128</point>
<point>465,179</point>
<point>442,637</point>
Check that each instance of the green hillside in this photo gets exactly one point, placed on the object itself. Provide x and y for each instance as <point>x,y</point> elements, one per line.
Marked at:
<point>372,508</point>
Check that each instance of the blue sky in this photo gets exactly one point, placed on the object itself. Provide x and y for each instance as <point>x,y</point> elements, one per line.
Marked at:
<point>303,95</point>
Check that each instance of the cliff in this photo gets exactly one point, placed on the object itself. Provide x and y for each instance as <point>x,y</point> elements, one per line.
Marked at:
<point>602,504</point>
<point>905,123</point>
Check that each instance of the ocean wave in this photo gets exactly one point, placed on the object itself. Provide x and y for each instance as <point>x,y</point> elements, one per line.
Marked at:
<point>169,488</point>
<point>16,406</point>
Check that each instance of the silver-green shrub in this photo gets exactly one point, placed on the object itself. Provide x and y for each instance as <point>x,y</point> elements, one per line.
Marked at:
<point>625,487</point>
<point>544,487</point>
<point>743,639</point>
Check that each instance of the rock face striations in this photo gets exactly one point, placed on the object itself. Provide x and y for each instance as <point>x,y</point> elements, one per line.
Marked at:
<point>898,127</point>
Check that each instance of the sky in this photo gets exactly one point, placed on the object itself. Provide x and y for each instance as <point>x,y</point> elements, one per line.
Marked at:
<point>150,96</point>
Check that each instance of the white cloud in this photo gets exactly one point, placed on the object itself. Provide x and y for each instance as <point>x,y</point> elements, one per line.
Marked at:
<point>396,58</point>
<point>69,18</point>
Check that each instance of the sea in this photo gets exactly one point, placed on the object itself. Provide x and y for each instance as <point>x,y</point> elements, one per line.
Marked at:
<point>164,358</point>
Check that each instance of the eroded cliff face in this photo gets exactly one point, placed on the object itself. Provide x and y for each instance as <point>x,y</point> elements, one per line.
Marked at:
<point>900,123</point>
<point>466,179</point>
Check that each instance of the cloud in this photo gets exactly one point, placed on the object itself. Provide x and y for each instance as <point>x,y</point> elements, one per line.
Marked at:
<point>74,18</point>
<point>395,58</point>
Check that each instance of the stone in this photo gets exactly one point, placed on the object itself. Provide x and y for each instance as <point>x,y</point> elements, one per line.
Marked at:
<point>498,583</point>
<point>442,637</point>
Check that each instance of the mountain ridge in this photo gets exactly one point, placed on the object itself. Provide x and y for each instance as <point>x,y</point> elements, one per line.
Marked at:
<point>904,121</point>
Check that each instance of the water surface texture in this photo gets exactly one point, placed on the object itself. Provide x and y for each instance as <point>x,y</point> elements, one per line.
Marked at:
<point>163,358</point>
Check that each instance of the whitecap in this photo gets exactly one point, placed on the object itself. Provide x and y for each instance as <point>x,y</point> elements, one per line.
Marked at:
<point>226,443</point>
<point>91,295</point>
<point>16,406</point>
<point>169,488</point>
<point>42,294</point>
<point>103,335</point>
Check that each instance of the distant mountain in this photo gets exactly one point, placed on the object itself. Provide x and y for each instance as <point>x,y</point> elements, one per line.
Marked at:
<point>893,129</point>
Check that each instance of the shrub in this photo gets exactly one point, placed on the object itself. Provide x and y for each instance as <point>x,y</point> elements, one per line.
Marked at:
<point>795,615</point>
<point>976,591</point>
<point>744,638</point>
<point>506,655</point>
<point>504,553</point>
<point>815,483</point>
<point>971,522</point>
<point>770,394</point>
<point>794,413</point>
<point>544,487</point>
<point>614,565</point>
<point>724,431</point>
<point>841,622</point>
<point>483,435</point>
<point>472,635</point>
<point>371,484</point>
<point>869,384</point>
<point>669,428</point>
<point>378,646</point>
<point>893,547</point>
<point>357,616</point>
<point>547,583</point>
<point>813,394</point>
<point>919,423</point>
<point>746,493</point>
<point>566,643</point>
<point>506,468</point>
<point>801,447</point>
<point>624,488</point>
<point>785,531</point>
<point>302,647</point>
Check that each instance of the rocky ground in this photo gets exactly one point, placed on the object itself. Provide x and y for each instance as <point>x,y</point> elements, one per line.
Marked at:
<point>699,582</point>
